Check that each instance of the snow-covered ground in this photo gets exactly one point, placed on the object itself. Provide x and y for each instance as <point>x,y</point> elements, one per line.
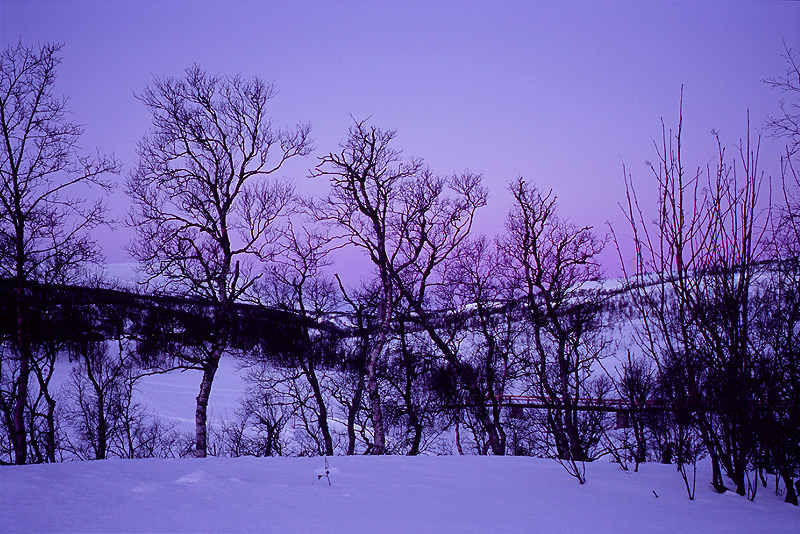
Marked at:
<point>371,494</point>
<point>367,494</point>
<point>172,396</point>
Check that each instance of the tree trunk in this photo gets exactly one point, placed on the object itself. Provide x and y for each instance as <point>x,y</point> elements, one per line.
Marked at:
<point>791,491</point>
<point>19,433</point>
<point>201,412</point>
<point>379,436</point>
<point>44,390</point>
<point>706,435</point>
<point>323,410</point>
<point>351,416</point>
<point>495,436</point>
<point>35,455</point>
<point>458,438</point>
<point>415,423</point>
<point>716,473</point>
<point>50,444</point>
<point>496,439</point>
<point>102,428</point>
<point>641,441</point>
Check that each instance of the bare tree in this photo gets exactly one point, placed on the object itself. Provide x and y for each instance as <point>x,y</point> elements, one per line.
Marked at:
<point>299,372</point>
<point>366,180</point>
<point>400,213</point>
<point>777,326</point>
<point>259,427</point>
<point>787,124</point>
<point>692,278</point>
<point>97,382</point>
<point>778,329</point>
<point>53,318</point>
<point>44,181</point>
<point>349,382</point>
<point>554,268</point>
<point>636,385</point>
<point>484,330</point>
<point>685,441</point>
<point>205,206</point>
<point>411,403</point>
<point>778,322</point>
<point>312,296</point>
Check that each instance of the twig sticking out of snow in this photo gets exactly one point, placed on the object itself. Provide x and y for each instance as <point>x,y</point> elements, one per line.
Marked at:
<point>327,472</point>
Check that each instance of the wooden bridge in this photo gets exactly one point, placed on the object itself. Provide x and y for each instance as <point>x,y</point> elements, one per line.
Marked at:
<point>621,407</point>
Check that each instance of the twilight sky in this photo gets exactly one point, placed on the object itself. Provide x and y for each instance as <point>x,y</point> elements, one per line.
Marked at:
<point>560,92</point>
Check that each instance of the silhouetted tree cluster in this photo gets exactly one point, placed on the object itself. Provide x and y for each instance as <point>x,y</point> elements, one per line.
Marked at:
<point>453,342</point>
<point>713,286</point>
<point>45,217</point>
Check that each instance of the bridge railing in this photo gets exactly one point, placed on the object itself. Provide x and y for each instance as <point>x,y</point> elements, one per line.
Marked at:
<point>583,403</point>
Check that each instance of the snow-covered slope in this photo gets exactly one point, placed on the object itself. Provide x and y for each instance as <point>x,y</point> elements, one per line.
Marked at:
<point>371,494</point>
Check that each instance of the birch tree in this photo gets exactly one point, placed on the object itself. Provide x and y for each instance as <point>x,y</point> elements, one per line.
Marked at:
<point>46,206</point>
<point>206,200</point>
<point>693,276</point>
<point>400,213</point>
<point>553,266</point>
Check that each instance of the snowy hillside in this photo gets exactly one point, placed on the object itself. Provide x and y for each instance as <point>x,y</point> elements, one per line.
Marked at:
<point>367,494</point>
<point>371,494</point>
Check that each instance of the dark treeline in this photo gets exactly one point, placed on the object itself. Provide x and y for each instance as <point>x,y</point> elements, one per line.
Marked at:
<point>455,342</point>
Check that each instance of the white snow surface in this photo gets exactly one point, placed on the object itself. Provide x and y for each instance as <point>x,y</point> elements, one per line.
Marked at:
<point>367,494</point>
<point>371,494</point>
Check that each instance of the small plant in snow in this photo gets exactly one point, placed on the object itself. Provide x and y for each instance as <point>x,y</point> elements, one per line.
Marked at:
<point>327,473</point>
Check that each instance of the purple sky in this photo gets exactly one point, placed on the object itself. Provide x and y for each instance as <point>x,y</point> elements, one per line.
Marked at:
<point>559,92</point>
